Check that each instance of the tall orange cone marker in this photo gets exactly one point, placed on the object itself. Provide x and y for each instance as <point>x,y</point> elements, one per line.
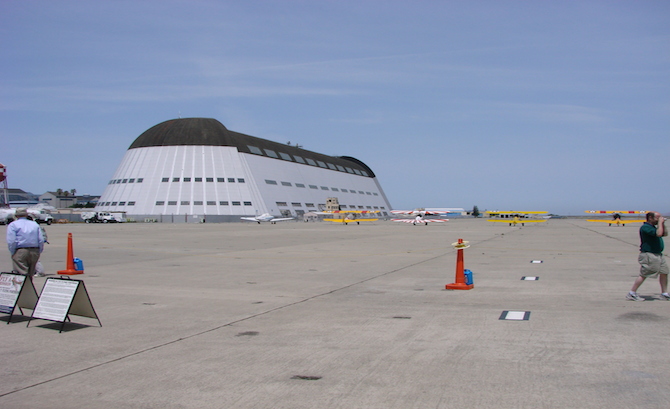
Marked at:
<point>69,269</point>
<point>460,270</point>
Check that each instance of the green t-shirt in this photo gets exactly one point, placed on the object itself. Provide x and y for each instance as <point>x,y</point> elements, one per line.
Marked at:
<point>649,241</point>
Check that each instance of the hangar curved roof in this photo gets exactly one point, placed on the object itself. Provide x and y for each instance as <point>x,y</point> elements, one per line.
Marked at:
<point>210,132</point>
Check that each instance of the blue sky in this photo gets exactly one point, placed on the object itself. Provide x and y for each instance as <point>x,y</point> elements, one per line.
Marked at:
<point>561,106</point>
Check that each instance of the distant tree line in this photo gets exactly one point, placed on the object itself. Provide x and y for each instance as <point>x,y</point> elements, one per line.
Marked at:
<point>61,192</point>
<point>88,205</point>
<point>73,192</point>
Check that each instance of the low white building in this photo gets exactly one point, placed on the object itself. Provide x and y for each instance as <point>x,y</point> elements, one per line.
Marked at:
<point>195,168</point>
<point>58,201</point>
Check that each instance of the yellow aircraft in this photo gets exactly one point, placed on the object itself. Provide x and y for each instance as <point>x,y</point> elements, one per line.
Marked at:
<point>518,217</point>
<point>616,217</point>
<point>351,216</point>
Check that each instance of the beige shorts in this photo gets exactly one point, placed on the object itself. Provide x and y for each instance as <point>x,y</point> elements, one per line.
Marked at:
<point>652,264</point>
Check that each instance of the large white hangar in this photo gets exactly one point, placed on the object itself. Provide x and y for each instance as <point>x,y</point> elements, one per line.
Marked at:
<point>194,168</point>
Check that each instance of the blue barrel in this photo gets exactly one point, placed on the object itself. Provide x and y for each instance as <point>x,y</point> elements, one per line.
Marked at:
<point>468,277</point>
<point>78,264</point>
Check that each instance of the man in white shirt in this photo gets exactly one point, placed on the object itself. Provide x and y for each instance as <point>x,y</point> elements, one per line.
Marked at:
<point>25,242</point>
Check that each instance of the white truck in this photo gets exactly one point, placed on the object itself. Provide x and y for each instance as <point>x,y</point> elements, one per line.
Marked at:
<point>41,216</point>
<point>6,216</point>
<point>102,217</point>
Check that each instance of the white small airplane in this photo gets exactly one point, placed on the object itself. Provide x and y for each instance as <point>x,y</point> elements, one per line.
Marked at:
<point>266,217</point>
<point>420,220</point>
<point>430,211</point>
<point>43,206</point>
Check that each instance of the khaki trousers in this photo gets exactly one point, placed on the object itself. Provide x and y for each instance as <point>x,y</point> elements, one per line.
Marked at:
<point>25,260</point>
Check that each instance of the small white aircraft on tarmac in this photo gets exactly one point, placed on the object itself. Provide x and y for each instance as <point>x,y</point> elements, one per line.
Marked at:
<point>266,217</point>
<point>420,220</point>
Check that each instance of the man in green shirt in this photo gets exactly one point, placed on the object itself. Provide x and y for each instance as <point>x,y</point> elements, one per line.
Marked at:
<point>651,258</point>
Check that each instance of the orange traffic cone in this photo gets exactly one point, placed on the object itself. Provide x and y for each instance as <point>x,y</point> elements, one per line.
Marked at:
<point>460,270</point>
<point>69,269</point>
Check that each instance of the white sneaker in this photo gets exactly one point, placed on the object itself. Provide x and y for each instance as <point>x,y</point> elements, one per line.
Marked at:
<point>634,297</point>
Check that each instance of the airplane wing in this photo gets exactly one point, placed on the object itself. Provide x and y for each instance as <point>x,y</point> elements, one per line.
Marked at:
<point>610,221</point>
<point>282,219</point>
<point>517,212</point>
<point>350,220</point>
<point>251,219</point>
<point>350,211</point>
<point>43,206</point>
<point>616,211</point>
<point>517,221</point>
<point>428,212</point>
<point>444,210</point>
<point>421,221</point>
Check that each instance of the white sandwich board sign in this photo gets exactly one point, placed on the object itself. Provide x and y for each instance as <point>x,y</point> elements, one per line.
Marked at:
<point>62,297</point>
<point>16,291</point>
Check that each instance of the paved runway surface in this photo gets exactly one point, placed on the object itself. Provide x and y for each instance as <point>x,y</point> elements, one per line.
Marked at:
<point>318,315</point>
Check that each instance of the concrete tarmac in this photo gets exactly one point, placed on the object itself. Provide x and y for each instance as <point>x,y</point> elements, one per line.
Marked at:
<point>318,315</point>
